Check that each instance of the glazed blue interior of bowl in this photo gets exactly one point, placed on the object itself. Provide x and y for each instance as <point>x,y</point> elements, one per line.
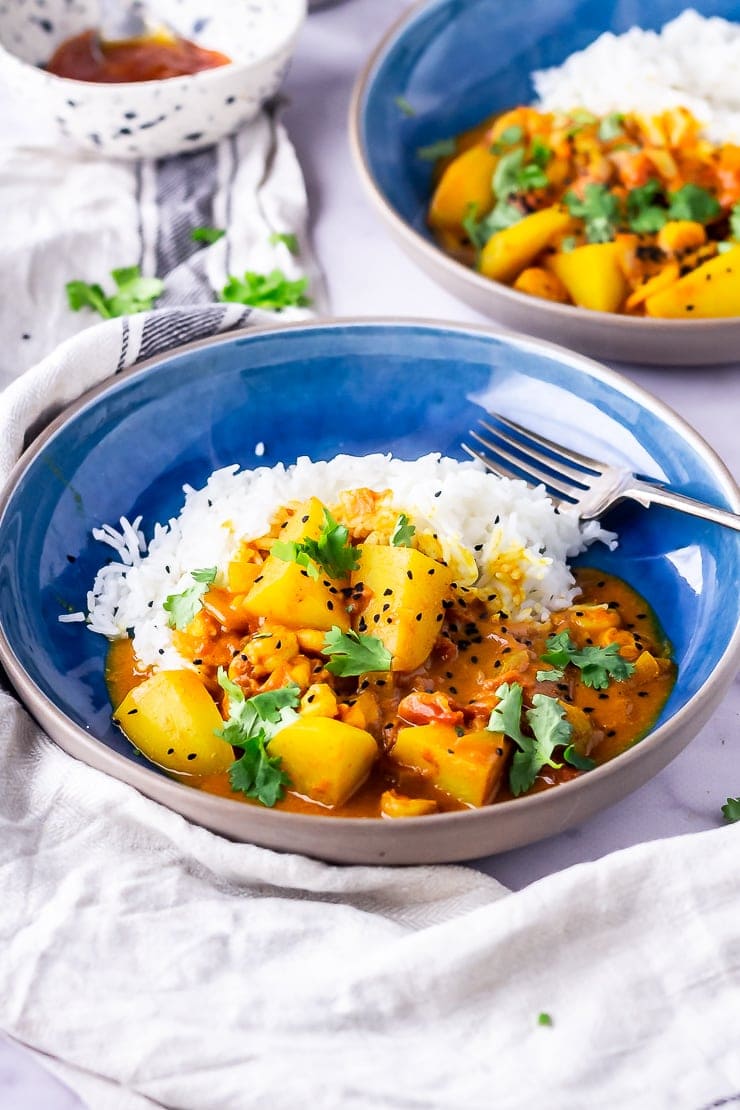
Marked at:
<point>458,61</point>
<point>318,391</point>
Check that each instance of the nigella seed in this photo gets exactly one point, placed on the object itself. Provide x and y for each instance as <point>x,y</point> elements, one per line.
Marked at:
<point>192,755</point>
<point>330,605</point>
<point>603,697</point>
<point>439,617</point>
<point>132,711</point>
<point>310,698</point>
<point>261,576</point>
<point>431,571</point>
<point>167,570</point>
<point>161,651</point>
<point>448,674</point>
<point>333,590</point>
<point>473,658</point>
<point>419,616</point>
<point>410,575</point>
<point>380,682</point>
<point>278,645</point>
<point>642,693</point>
<point>376,618</point>
<point>497,663</point>
<point>304,519</point>
<point>388,592</point>
<point>438,493</point>
<point>386,607</point>
<point>362,625</point>
<point>389,620</point>
<point>197,662</point>
<point>453,689</point>
<point>612,732</point>
<point>478,547</point>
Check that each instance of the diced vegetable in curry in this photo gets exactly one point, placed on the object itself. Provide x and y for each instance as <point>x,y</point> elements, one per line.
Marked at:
<point>341,670</point>
<point>628,213</point>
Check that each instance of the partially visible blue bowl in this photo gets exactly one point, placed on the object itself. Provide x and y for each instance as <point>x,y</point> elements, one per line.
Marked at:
<point>453,63</point>
<point>319,389</point>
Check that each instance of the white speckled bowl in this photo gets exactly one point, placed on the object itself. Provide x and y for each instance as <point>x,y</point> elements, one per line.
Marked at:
<point>150,119</point>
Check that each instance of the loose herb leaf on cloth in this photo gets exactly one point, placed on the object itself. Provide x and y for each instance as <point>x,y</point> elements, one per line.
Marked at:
<point>599,211</point>
<point>403,532</point>
<point>207,234</point>
<point>134,293</point>
<point>597,664</point>
<point>731,809</point>
<point>332,551</point>
<point>273,291</point>
<point>287,238</point>
<point>353,653</point>
<point>251,724</point>
<point>183,607</point>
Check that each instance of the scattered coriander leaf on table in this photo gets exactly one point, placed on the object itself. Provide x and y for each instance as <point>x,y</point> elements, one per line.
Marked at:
<point>403,532</point>
<point>134,293</point>
<point>287,238</point>
<point>731,809</point>
<point>597,664</point>
<point>207,234</point>
<point>354,654</point>
<point>271,291</point>
<point>183,607</point>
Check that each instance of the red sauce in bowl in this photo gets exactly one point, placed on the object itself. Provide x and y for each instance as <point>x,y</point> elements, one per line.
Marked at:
<point>85,58</point>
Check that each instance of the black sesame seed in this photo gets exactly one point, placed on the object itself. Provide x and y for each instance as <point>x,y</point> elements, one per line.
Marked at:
<point>310,698</point>
<point>330,605</point>
<point>388,592</point>
<point>419,616</point>
<point>453,689</point>
<point>304,519</point>
<point>192,755</point>
<point>278,645</point>
<point>132,711</point>
<point>170,751</point>
<point>261,576</point>
<point>410,575</point>
<point>473,658</point>
<point>71,558</point>
<point>197,662</point>
<point>386,607</point>
<point>376,618</point>
<point>497,662</point>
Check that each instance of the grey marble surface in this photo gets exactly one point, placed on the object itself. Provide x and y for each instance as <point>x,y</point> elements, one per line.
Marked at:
<point>367,274</point>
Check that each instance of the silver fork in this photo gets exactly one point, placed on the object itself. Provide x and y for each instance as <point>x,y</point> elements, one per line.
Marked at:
<point>574,480</point>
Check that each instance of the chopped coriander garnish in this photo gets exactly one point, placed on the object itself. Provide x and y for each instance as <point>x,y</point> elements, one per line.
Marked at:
<point>251,724</point>
<point>576,759</point>
<point>133,294</point>
<point>512,175</point>
<point>207,234</point>
<point>403,532</point>
<point>599,211</point>
<point>272,291</point>
<point>332,551</point>
<point>597,664</point>
<point>735,222</point>
<point>404,106</point>
<point>731,809</point>
<point>443,148</point>
<point>580,118</point>
<point>502,215</point>
<point>353,654</point>
<point>508,137</point>
<point>287,238</point>
<point>183,607</point>
<point>549,726</point>
<point>568,244</point>
<point>643,216</point>
<point>691,202</point>
<point>540,153</point>
<point>610,127</point>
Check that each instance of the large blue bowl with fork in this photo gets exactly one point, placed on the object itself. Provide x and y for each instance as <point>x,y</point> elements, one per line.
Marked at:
<point>355,386</point>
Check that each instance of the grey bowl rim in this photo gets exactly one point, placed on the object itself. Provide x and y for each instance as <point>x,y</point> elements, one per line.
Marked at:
<point>81,743</point>
<point>415,243</point>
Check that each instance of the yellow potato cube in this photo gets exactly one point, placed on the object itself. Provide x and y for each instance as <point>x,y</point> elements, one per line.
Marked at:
<point>326,760</point>
<point>592,275</point>
<point>466,181</point>
<point>172,719</point>
<point>405,610</point>
<point>510,251</point>
<point>469,767</point>
<point>711,290</point>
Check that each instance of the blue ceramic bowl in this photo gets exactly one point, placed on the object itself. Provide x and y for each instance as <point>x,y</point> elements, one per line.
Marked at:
<point>319,389</point>
<point>454,64</point>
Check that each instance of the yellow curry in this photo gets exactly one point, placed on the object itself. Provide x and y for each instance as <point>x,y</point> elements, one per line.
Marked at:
<point>627,213</point>
<point>344,672</point>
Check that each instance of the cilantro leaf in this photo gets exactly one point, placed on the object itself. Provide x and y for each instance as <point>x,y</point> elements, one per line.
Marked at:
<point>568,244</point>
<point>403,532</point>
<point>691,202</point>
<point>735,222</point>
<point>272,291</point>
<point>506,716</point>
<point>597,664</point>
<point>404,106</point>
<point>544,1019</point>
<point>480,231</point>
<point>574,757</point>
<point>599,211</point>
<point>287,238</point>
<point>443,148</point>
<point>642,215</point>
<point>207,234</point>
<point>610,127</point>
<point>332,551</point>
<point>133,294</point>
<point>508,137</point>
<point>512,175</point>
<point>353,653</point>
<point>553,675</point>
<point>540,153</point>
<point>183,607</point>
<point>251,725</point>
<point>580,118</point>
<point>731,809</point>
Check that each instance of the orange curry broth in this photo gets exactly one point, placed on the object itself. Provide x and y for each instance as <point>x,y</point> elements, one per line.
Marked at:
<point>84,58</point>
<point>475,653</point>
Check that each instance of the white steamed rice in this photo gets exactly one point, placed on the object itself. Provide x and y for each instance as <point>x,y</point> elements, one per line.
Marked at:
<point>692,62</point>
<point>523,557</point>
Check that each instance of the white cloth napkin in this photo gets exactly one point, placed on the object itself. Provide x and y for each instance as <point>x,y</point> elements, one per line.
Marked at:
<point>152,963</point>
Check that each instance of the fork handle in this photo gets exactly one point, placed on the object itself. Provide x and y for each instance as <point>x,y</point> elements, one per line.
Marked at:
<point>646,494</point>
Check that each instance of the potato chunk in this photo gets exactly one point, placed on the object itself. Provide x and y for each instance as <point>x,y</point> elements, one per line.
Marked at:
<point>592,275</point>
<point>405,609</point>
<point>711,290</point>
<point>469,767</point>
<point>508,252</point>
<point>466,181</point>
<point>172,719</point>
<point>285,593</point>
<point>325,759</point>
